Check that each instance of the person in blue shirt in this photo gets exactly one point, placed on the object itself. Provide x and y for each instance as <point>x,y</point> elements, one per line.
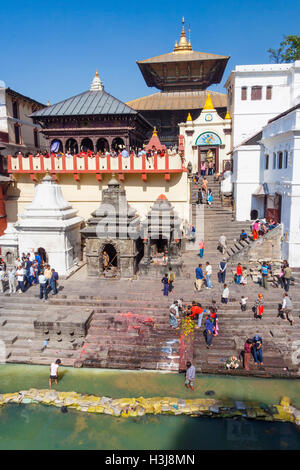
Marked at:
<point>264,274</point>
<point>257,350</point>
<point>39,262</point>
<point>209,197</point>
<point>243,235</point>
<point>53,281</point>
<point>209,332</point>
<point>199,277</point>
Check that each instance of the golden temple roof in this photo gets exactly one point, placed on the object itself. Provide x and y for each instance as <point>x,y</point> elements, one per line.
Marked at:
<point>177,100</point>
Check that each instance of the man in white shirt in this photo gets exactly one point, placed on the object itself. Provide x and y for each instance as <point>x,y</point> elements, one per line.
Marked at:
<point>20,278</point>
<point>43,286</point>
<point>225,295</point>
<point>287,308</point>
<point>12,280</point>
<point>208,271</point>
<point>54,372</point>
<point>222,244</point>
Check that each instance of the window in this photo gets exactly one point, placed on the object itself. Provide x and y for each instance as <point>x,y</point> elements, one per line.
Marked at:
<point>15,110</point>
<point>286,159</point>
<point>256,93</point>
<point>269,92</point>
<point>266,162</point>
<point>280,160</point>
<point>17,134</point>
<point>274,161</point>
<point>36,138</point>
<point>244,93</point>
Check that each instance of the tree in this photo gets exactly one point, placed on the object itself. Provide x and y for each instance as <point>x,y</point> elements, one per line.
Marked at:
<point>276,55</point>
<point>289,50</point>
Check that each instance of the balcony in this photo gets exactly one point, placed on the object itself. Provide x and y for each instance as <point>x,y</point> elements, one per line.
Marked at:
<point>95,164</point>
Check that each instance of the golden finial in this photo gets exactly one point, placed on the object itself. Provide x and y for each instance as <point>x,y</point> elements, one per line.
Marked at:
<point>183,45</point>
<point>154,132</point>
<point>48,103</point>
<point>208,103</point>
<point>97,73</point>
<point>227,116</point>
<point>189,118</point>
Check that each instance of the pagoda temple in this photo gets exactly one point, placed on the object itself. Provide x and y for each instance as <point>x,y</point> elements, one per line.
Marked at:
<point>183,77</point>
<point>93,121</point>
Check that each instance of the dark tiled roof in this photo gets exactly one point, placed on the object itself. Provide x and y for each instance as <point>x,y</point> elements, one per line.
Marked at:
<point>86,103</point>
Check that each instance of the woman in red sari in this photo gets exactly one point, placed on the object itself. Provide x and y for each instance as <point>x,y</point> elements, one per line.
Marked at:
<point>255,228</point>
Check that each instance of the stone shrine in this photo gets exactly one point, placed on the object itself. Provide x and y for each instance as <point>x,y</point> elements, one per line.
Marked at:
<point>163,240</point>
<point>113,231</point>
<point>51,222</point>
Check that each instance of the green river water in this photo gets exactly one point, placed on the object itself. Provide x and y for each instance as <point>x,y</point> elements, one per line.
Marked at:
<point>45,427</point>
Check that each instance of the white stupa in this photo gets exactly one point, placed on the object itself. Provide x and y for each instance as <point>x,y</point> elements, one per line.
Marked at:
<point>50,222</point>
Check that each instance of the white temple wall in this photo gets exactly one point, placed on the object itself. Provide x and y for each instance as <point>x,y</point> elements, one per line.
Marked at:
<point>86,195</point>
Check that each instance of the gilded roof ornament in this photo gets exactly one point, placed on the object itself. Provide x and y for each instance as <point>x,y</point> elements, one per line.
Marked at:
<point>183,45</point>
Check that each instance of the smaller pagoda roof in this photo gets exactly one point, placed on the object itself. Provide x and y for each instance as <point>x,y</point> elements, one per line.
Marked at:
<point>155,142</point>
<point>89,102</point>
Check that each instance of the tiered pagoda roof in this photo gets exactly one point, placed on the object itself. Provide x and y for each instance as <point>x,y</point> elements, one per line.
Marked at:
<point>183,69</point>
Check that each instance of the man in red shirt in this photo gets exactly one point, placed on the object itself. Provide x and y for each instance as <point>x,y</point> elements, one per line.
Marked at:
<point>239,273</point>
<point>197,310</point>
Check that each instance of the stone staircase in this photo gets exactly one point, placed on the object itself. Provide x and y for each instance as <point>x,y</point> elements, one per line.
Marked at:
<point>129,328</point>
<point>117,341</point>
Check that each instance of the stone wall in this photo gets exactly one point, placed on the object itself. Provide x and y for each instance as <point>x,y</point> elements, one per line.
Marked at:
<point>265,248</point>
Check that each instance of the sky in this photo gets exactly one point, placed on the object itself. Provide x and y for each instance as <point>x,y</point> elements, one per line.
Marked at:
<point>51,50</point>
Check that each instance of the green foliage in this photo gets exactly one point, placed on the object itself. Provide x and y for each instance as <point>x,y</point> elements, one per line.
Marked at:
<point>289,50</point>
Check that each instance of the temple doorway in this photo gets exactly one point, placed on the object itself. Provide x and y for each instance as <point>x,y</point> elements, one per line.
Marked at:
<point>208,155</point>
<point>109,258</point>
<point>273,207</point>
<point>159,245</point>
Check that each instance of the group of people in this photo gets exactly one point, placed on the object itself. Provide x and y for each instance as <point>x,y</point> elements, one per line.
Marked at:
<point>119,151</point>
<point>29,269</point>
<point>254,347</point>
<point>203,196</point>
<point>168,282</point>
<point>203,276</point>
<point>196,312</point>
<point>261,227</point>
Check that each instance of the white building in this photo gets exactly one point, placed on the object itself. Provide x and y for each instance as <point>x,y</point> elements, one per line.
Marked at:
<point>207,138</point>
<point>257,93</point>
<point>266,165</point>
<point>17,131</point>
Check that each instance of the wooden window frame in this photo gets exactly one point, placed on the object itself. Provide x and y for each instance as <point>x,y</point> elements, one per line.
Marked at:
<point>244,92</point>
<point>285,159</point>
<point>20,135</point>
<point>15,104</point>
<point>256,93</point>
<point>269,92</point>
<point>267,161</point>
<point>280,160</point>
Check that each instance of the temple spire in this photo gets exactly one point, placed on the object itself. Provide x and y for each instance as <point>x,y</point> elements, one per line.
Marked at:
<point>208,103</point>
<point>97,85</point>
<point>183,45</point>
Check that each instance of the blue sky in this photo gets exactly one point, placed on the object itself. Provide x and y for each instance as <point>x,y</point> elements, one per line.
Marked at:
<point>51,50</point>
